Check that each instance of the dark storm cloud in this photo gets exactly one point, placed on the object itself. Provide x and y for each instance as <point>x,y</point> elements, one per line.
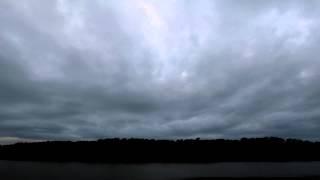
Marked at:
<point>161,69</point>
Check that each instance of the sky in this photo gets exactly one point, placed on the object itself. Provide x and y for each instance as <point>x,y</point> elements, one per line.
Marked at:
<point>72,70</point>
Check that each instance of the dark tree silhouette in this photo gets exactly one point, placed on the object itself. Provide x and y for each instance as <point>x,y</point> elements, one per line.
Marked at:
<point>165,151</point>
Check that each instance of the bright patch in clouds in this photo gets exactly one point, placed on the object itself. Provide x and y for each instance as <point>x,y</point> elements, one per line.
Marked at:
<point>152,14</point>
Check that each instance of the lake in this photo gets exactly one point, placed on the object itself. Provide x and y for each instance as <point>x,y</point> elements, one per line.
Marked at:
<point>82,171</point>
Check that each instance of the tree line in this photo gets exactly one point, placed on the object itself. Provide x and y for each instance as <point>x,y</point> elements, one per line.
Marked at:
<point>134,150</point>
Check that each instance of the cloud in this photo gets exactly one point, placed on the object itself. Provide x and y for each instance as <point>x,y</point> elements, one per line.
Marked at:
<point>169,69</point>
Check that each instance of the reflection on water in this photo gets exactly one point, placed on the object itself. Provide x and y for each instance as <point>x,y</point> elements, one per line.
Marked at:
<point>79,171</point>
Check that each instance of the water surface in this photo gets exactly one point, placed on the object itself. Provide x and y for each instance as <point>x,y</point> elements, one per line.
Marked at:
<point>83,171</point>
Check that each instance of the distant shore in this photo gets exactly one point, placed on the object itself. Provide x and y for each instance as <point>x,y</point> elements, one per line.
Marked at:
<point>267,149</point>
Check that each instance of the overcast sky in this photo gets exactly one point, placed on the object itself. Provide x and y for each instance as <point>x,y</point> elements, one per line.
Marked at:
<point>159,69</point>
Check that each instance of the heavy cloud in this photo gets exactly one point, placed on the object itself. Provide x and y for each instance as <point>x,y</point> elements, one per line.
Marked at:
<point>159,69</point>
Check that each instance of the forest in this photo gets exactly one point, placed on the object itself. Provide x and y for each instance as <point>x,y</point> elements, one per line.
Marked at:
<point>132,150</point>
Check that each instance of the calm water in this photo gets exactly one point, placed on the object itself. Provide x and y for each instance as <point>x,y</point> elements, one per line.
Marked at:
<point>79,171</point>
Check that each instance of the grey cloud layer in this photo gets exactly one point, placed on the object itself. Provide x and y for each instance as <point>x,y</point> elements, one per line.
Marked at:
<point>160,69</point>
